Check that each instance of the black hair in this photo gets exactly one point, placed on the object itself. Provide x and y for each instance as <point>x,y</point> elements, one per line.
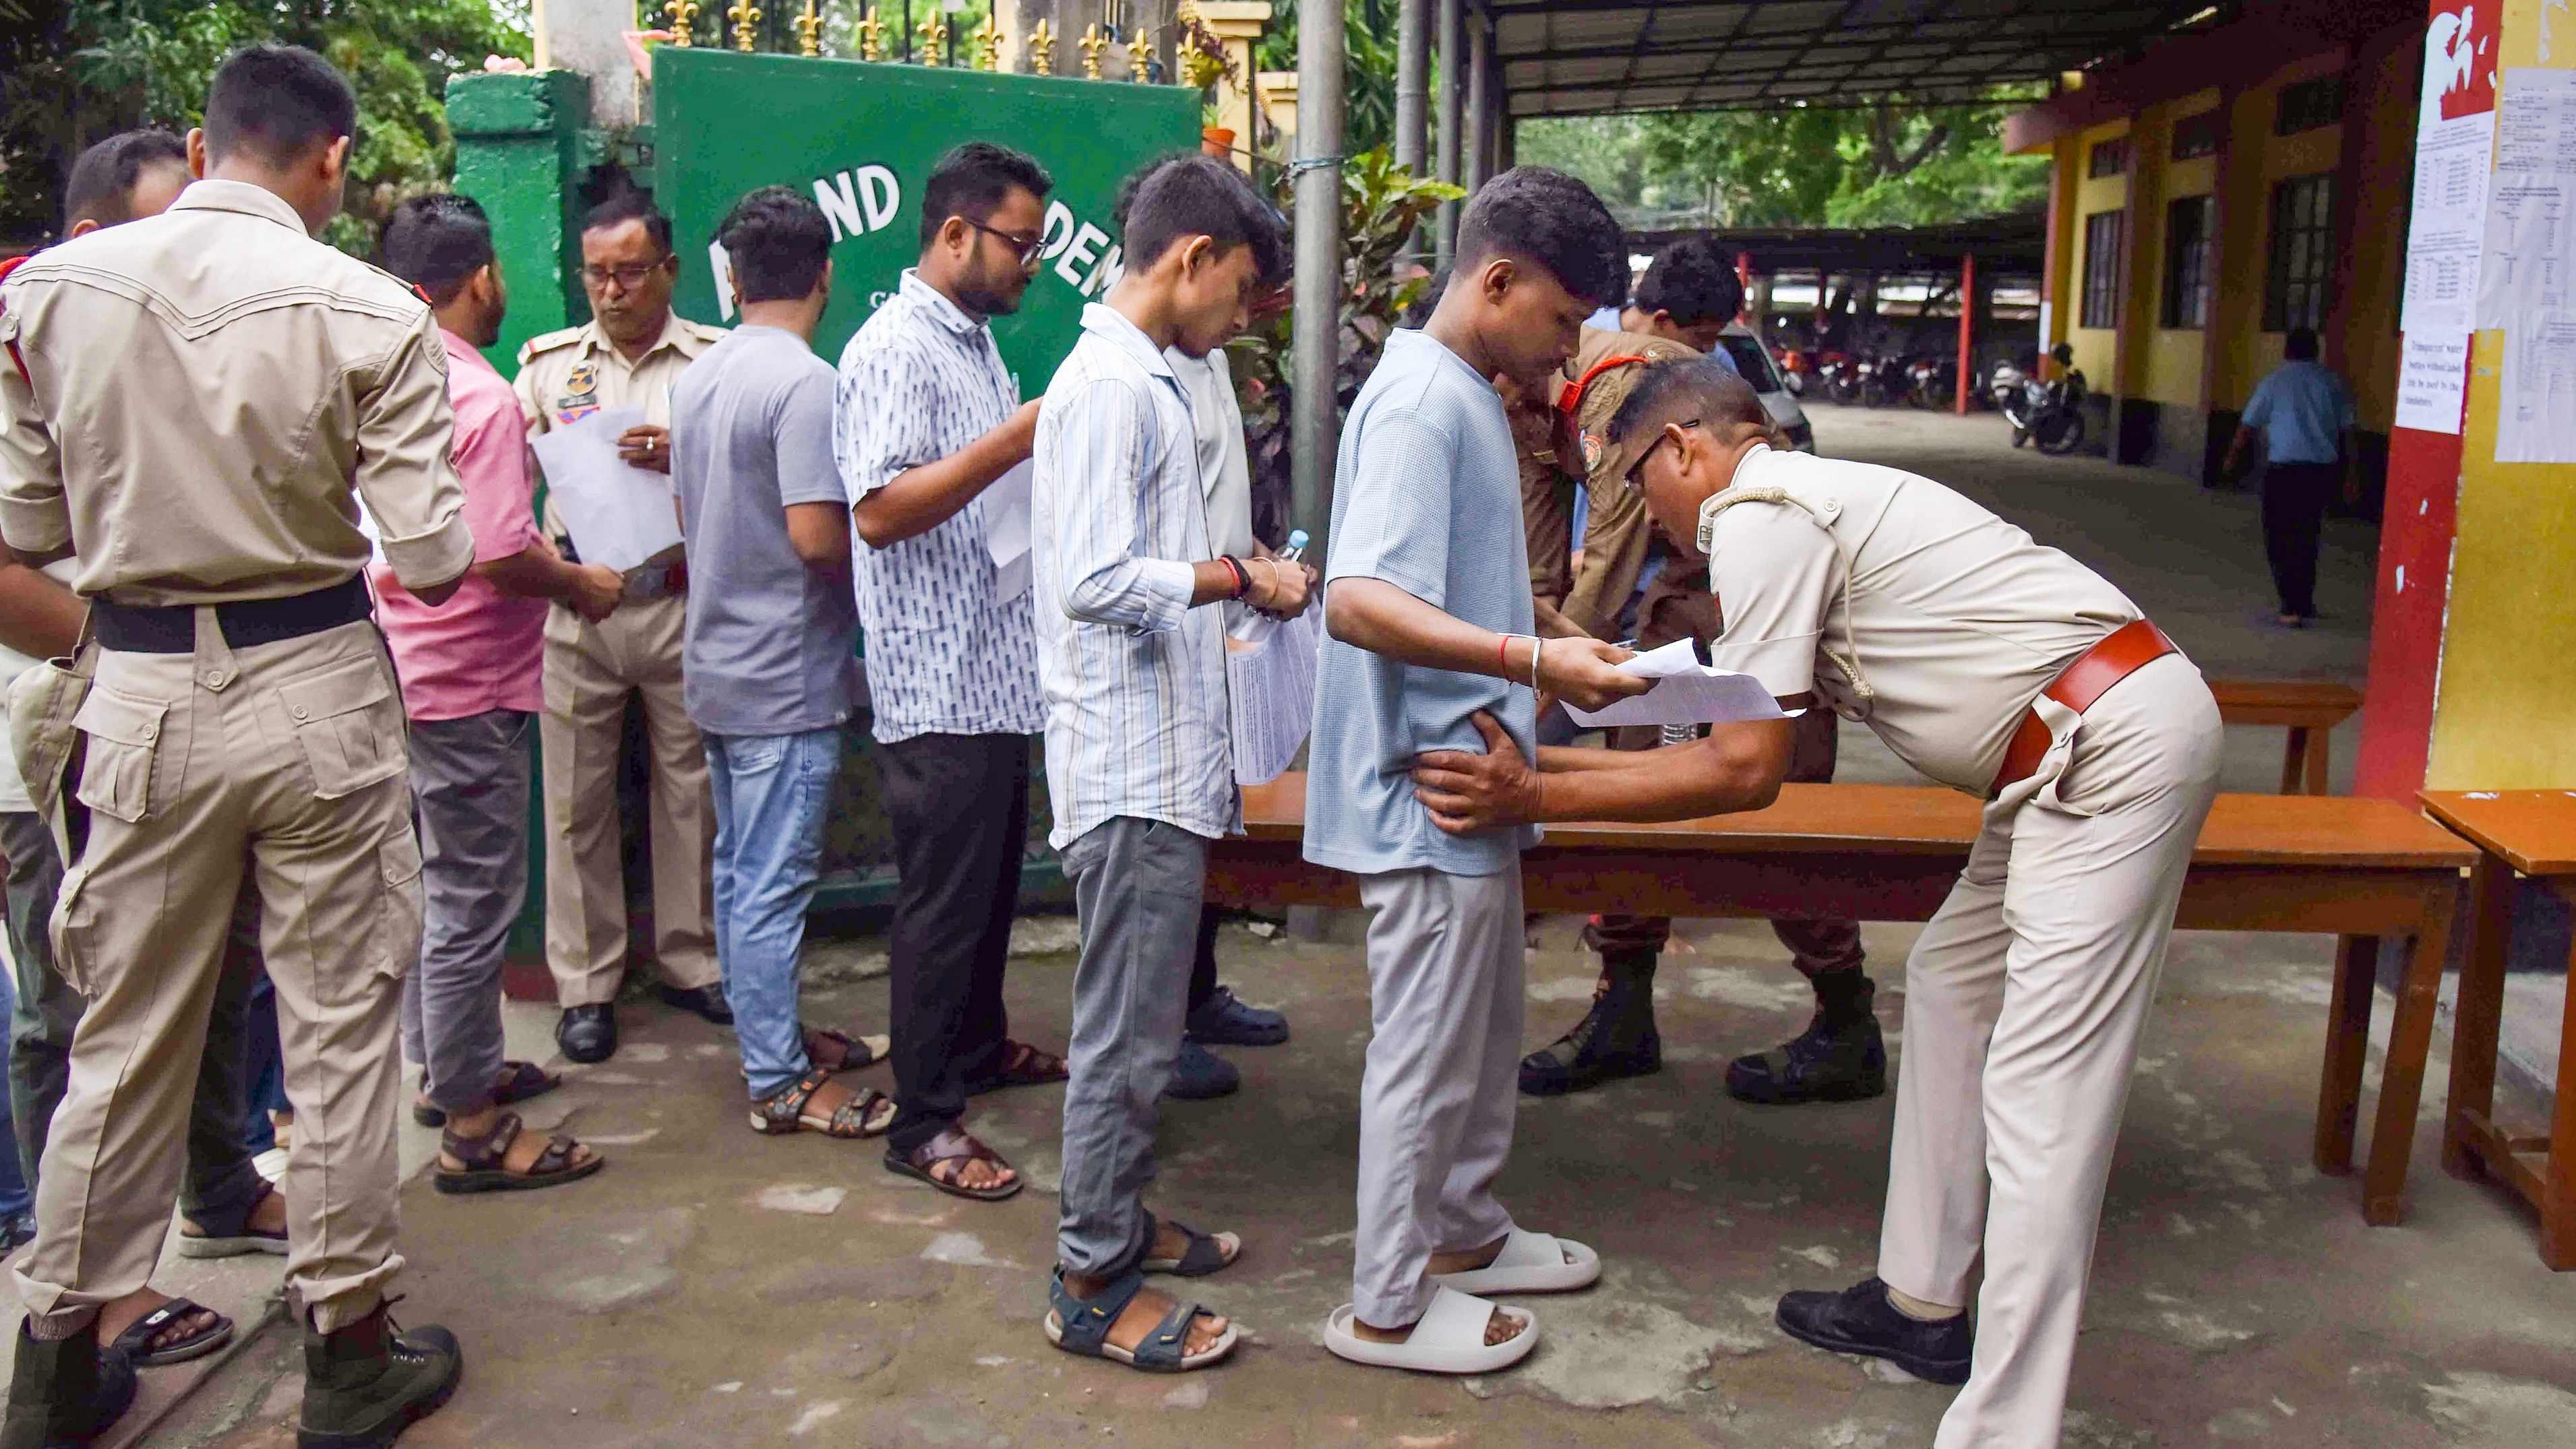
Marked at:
<point>778,242</point>
<point>436,242</point>
<point>974,180</point>
<point>1682,388</point>
<point>1694,282</point>
<point>1553,220</point>
<point>1187,194</point>
<point>614,200</point>
<point>101,186</point>
<point>2300,345</point>
<point>278,101</point>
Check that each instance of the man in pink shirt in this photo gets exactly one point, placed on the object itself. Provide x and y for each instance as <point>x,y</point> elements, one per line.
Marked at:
<point>472,683</point>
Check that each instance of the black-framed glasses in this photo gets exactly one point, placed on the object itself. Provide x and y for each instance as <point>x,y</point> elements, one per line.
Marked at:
<point>626,278</point>
<point>1027,247</point>
<point>1640,465</point>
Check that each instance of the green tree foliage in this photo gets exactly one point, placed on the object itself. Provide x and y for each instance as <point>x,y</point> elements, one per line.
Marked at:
<point>1368,66</point>
<point>1890,164</point>
<point>91,68</point>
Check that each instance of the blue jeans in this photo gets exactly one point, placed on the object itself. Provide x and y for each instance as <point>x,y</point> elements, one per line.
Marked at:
<point>770,794</point>
<point>14,1196</point>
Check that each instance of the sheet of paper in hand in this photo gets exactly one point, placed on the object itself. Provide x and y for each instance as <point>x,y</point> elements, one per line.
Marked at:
<point>619,515</point>
<point>1270,684</point>
<point>1686,692</point>
<point>1006,530</point>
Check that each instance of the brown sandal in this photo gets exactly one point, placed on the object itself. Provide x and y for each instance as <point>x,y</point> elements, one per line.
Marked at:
<point>867,1114</point>
<point>517,1083</point>
<point>959,1146</point>
<point>838,1051</point>
<point>1022,1066</point>
<point>486,1167</point>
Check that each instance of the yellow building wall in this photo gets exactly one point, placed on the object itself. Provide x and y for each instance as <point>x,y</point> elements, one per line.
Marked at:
<point>2261,160</point>
<point>2170,370</point>
<point>2093,345</point>
<point>2505,716</point>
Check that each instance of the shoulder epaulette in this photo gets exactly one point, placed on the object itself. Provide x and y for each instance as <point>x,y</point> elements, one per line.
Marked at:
<point>547,342</point>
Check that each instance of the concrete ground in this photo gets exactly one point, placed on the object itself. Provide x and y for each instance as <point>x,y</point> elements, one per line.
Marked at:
<point>712,1287</point>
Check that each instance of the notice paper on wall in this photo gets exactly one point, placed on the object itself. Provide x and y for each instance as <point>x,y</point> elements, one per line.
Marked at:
<point>1686,692</point>
<point>1270,685</point>
<point>2536,420</point>
<point>2449,223</point>
<point>1006,530</point>
<point>2432,381</point>
<point>619,515</point>
<point>2527,262</point>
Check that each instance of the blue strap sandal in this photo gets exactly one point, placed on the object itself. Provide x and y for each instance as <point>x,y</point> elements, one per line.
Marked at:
<point>1081,1326</point>
<point>1207,1252</point>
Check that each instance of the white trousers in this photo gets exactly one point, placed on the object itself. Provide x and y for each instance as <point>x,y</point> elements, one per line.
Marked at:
<point>2024,1000</point>
<point>1442,1086</point>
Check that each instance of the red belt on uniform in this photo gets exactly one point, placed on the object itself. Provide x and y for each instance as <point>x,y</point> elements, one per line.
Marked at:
<point>2124,652</point>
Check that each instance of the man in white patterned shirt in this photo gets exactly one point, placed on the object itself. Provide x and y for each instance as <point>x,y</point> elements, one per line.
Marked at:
<point>928,420</point>
<point>1138,758</point>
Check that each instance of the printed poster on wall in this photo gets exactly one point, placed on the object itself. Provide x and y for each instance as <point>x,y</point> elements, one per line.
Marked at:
<point>2528,262</point>
<point>2454,141</point>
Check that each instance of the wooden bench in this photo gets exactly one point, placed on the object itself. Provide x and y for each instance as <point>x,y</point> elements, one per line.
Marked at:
<point>2357,869</point>
<point>2310,708</point>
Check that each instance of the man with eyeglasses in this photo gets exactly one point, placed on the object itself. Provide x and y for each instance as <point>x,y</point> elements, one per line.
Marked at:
<point>927,420</point>
<point>629,354</point>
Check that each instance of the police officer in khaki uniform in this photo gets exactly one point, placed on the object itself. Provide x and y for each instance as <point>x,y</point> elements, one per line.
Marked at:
<point>1688,293</point>
<point>628,355</point>
<point>1998,667</point>
<point>186,403</point>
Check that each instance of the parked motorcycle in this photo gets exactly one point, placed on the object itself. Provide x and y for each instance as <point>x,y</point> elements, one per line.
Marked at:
<point>2048,413</point>
<point>1928,383</point>
<point>1839,373</point>
<point>1879,382</point>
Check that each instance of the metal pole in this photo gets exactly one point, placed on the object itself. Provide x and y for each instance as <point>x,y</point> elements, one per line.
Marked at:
<point>1413,98</point>
<point>1451,42</point>
<point>1315,343</point>
<point>1480,99</point>
<point>1967,328</point>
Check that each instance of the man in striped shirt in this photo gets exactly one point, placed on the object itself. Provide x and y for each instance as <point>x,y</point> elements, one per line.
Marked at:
<point>1138,759</point>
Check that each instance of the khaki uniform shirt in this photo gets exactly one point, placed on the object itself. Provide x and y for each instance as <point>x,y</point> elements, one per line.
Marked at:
<point>1618,529</point>
<point>1956,618</point>
<point>202,390</point>
<point>566,375</point>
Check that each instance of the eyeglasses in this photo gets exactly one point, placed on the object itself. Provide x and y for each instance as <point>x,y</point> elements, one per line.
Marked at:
<point>627,278</point>
<point>1639,466</point>
<point>1027,247</point>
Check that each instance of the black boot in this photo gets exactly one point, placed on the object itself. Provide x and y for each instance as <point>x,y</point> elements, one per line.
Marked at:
<point>1860,1319</point>
<point>1615,1039</point>
<point>1840,1057</point>
<point>366,1383</point>
<point>65,1393</point>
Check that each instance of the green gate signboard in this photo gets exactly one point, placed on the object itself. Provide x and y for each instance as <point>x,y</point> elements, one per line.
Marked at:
<point>861,138</point>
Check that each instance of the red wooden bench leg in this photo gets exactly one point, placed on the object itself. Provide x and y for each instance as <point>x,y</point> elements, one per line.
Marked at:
<point>2347,1044</point>
<point>2410,1040</point>
<point>2480,1018</point>
<point>2294,760</point>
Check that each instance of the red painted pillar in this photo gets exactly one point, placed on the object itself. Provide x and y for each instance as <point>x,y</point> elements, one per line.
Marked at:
<point>1743,280</point>
<point>1967,326</point>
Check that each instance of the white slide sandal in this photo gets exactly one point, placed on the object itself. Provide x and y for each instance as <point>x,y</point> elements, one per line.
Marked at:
<point>1450,1339</point>
<point>1530,1263</point>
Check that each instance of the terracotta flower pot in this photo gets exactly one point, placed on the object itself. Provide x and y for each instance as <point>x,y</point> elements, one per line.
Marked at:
<point>1217,141</point>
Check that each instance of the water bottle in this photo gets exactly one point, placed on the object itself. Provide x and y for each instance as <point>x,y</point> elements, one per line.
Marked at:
<point>1254,626</point>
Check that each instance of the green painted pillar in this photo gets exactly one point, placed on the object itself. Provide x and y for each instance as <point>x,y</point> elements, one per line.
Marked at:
<point>520,150</point>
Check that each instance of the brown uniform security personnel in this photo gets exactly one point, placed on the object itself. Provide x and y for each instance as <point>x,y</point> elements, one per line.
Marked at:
<point>186,404</point>
<point>629,354</point>
<point>1840,1056</point>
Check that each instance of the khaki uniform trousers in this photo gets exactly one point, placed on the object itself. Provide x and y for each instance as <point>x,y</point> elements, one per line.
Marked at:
<point>285,761</point>
<point>589,671</point>
<point>2024,1000</point>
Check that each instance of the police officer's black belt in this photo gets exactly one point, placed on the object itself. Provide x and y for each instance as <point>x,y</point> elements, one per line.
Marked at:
<point>131,629</point>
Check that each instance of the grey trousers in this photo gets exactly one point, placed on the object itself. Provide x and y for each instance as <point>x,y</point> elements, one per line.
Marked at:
<point>1137,887</point>
<point>469,784</point>
<point>221,1183</point>
<point>1443,1078</point>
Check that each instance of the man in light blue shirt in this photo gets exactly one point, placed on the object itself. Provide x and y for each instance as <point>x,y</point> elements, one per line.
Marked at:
<point>2303,413</point>
<point>1432,648</point>
<point>1132,664</point>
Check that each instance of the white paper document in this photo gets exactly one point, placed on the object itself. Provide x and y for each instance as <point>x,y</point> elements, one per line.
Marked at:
<point>1271,689</point>
<point>619,515</point>
<point>2536,418</point>
<point>2528,259</point>
<point>2432,381</point>
<point>1686,692</point>
<point>2449,223</point>
<point>1006,530</point>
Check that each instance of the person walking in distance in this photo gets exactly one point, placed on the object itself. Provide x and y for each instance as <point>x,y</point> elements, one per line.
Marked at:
<point>232,379</point>
<point>2302,415</point>
<point>927,419</point>
<point>630,354</point>
<point>469,674</point>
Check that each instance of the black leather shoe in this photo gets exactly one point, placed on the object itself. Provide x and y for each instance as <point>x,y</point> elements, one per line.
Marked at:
<point>1225,1020</point>
<point>1591,1054</point>
<point>1861,1320</point>
<point>707,1001</point>
<point>1821,1064</point>
<point>588,1034</point>
<point>1200,1075</point>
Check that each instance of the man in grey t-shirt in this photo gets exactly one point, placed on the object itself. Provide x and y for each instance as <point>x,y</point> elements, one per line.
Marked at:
<point>771,631</point>
<point>1429,609</point>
